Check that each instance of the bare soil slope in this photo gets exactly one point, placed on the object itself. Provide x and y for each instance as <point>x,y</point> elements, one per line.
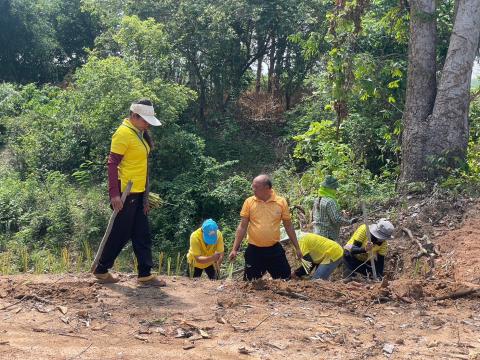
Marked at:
<point>71,317</point>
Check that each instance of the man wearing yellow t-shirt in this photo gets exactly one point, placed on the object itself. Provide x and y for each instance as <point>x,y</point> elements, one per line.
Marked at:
<point>358,249</point>
<point>324,255</point>
<point>206,250</point>
<point>261,215</point>
<point>128,161</point>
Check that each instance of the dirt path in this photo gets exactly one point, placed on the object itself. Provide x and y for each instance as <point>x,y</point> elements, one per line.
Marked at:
<point>122,321</point>
<point>71,317</point>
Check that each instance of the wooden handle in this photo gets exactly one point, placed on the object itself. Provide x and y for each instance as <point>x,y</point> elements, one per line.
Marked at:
<point>109,228</point>
<point>369,238</point>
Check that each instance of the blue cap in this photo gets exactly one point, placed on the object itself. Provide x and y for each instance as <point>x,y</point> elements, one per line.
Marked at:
<point>209,229</point>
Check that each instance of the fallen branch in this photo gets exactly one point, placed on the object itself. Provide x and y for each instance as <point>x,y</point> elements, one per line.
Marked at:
<point>15,303</point>
<point>235,328</point>
<point>261,322</point>
<point>330,289</point>
<point>291,294</point>
<point>423,251</point>
<point>456,295</point>
<point>34,297</point>
<point>59,333</point>
<point>82,352</point>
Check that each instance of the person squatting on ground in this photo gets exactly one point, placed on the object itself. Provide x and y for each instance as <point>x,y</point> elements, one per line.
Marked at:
<point>357,249</point>
<point>206,250</point>
<point>128,161</point>
<point>261,215</point>
<point>327,218</point>
<point>323,254</point>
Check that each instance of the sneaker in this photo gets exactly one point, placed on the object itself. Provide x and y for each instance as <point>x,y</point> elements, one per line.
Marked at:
<point>106,278</point>
<point>151,281</point>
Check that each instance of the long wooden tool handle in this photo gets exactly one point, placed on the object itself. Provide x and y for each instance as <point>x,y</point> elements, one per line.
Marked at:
<point>109,228</point>
<point>217,270</point>
<point>369,238</point>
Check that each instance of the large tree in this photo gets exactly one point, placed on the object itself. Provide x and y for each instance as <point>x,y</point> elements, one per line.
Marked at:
<point>435,120</point>
<point>43,40</point>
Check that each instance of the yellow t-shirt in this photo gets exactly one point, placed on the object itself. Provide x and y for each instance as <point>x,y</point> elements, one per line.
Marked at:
<point>199,248</point>
<point>360,236</point>
<point>264,219</point>
<point>128,141</point>
<point>320,249</point>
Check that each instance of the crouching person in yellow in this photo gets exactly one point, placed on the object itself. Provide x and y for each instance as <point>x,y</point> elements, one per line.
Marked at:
<point>206,250</point>
<point>323,254</point>
<point>358,249</point>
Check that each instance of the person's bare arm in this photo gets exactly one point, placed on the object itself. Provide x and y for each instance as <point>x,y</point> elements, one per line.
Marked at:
<point>220,259</point>
<point>287,224</point>
<point>208,259</point>
<point>239,236</point>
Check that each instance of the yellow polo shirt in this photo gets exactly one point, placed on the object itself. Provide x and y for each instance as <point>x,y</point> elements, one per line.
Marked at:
<point>264,219</point>
<point>320,249</point>
<point>128,141</point>
<point>360,235</point>
<point>199,248</point>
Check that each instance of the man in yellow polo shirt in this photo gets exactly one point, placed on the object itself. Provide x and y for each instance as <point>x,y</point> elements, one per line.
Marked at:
<point>324,255</point>
<point>206,250</point>
<point>261,215</point>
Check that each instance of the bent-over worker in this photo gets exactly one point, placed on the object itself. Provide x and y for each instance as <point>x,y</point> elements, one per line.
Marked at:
<point>358,248</point>
<point>323,254</point>
<point>206,250</point>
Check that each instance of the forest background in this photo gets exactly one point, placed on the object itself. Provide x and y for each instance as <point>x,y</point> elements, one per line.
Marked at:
<point>295,88</point>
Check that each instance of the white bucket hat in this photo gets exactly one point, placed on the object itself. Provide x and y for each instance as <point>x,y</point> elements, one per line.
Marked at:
<point>146,112</point>
<point>382,230</point>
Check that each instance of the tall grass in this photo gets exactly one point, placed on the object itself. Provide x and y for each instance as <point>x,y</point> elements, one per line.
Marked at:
<point>51,263</point>
<point>24,256</point>
<point>39,264</point>
<point>87,251</point>
<point>65,262</point>
<point>79,262</point>
<point>6,263</point>
<point>135,263</point>
<point>21,259</point>
<point>230,271</point>
<point>169,263</point>
<point>160,262</point>
<point>178,265</point>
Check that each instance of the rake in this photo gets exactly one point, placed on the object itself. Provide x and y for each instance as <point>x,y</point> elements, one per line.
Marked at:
<point>109,229</point>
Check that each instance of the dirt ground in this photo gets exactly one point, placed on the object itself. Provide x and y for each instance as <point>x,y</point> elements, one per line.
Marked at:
<point>412,316</point>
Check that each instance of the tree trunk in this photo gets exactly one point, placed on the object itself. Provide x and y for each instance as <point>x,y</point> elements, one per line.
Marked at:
<point>279,66</point>
<point>258,82</point>
<point>449,122</point>
<point>421,88</point>
<point>271,65</point>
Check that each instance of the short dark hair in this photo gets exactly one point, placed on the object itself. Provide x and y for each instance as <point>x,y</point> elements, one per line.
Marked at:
<point>266,180</point>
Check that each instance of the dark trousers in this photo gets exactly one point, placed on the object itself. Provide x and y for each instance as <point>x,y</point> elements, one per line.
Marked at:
<point>130,223</point>
<point>301,270</point>
<point>354,266</point>
<point>259,260</point>
<point>211,273</point>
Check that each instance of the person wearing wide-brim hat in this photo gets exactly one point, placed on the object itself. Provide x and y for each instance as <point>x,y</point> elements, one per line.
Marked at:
<point>327,218</point>
<point>128,161</point>
<point>358,248</point>
<point>206,250</point>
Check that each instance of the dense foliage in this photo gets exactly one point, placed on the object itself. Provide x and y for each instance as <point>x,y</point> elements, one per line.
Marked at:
<point>299,89</point>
